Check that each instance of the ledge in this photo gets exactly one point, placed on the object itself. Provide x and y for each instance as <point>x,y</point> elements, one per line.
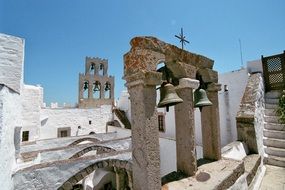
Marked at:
<point>221,174</point>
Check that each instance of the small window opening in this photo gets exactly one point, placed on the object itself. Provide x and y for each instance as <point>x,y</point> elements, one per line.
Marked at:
<point>90,122</point>
<point>161,126</point>
<point>25,136</point>
<point>63,133</point>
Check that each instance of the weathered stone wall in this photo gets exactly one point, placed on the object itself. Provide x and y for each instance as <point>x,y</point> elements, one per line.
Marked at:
<point>250,117</point>
<point>11,78</point>
<point>52,119</point>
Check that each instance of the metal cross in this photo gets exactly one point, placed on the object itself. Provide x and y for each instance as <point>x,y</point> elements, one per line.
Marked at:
<point>182,38</point>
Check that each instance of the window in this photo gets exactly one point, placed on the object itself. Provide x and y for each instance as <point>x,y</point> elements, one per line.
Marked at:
<point>25,136</point>
<point>90,122</point>
<point>161,126</point>
<point>63,132</point>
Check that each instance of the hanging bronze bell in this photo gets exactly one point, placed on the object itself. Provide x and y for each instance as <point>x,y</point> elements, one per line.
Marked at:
<point>201,99</point>
<point>168,96</point>
<point>92,66</point>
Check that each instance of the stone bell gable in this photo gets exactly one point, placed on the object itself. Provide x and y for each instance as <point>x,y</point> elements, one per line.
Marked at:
<point>142,77</point>
<point>96,87</point>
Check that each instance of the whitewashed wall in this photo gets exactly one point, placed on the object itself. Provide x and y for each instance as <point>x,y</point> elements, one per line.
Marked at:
<point>31,97</point>
<point>169,123</point>
<point>11,78</point>
<point>229,102</point>
<point>52,119</point>
<point>10,117</point>
<point>124,103</point>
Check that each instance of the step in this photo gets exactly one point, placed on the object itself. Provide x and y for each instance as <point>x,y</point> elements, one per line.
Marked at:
<point>251,164</point>
<point>280,152</point>
<point>275,161</point>
<point>270,112</point>
<point>271,106</point>
<point>273,94</point>
<point>277,143</point>
<point>271,119</point>
<point>272,100</point>
<point>274,134</point>
<point>274,126</point>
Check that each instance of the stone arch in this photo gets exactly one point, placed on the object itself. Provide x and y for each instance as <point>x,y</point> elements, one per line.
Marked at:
<point>85,88</point>
<point>98,148</point>
<point>101,69</point>
<point>84,139</point>
<point>107,89</point>
<point>92,68</point>
<point>96,91</point>
<point>115,163</point>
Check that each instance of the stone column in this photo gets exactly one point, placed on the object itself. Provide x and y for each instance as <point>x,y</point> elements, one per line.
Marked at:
<point>130,181</point>
<point>185,127</point>
<point>102,91</point>
<point>120,179</point>
<point>210,121</point>
<point>145,135</point>
<point>90,90</point>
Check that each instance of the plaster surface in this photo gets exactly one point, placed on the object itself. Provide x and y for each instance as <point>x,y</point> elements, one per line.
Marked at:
<point>74,117</point>
<point>11,80</point>
<point>10,117</point>
<point>31,98</point>
<point>54,143</point>
<point>11,61</point>
<point>39,176</point>
<point>68,152</point>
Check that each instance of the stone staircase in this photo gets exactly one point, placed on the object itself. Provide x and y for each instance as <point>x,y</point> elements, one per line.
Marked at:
<point>123,117</point>
<point>274,132</point>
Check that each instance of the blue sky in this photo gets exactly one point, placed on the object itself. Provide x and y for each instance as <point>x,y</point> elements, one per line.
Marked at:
<point>59,34</point>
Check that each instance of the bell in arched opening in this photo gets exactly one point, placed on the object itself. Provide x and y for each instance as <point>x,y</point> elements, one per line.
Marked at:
<point>92,66</point>
<point>201,99</point>
<point>168,96</point>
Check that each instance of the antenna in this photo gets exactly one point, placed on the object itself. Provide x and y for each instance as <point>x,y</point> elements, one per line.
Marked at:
<point>241,59</point>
